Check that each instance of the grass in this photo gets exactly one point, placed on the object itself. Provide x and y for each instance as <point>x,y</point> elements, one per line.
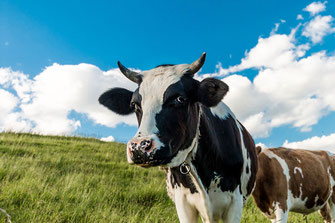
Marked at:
<point>72,179</point>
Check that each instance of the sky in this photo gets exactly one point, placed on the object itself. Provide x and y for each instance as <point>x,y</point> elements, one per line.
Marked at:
<point>278,58</point>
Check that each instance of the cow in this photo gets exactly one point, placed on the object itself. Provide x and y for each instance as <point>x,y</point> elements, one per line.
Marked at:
<point>208,156</point>
<point>295,180</point>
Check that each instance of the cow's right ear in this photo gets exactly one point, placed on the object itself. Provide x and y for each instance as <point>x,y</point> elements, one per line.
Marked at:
<point>211,91</point>
<point>117,100</point>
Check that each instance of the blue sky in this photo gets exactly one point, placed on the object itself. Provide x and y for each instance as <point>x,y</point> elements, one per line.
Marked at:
<point>140,33</point>
<point>40,39</point>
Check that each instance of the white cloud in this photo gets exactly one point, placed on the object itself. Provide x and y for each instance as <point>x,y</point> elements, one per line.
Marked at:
<point>15,122</point>
<point>8,102</point>
<point>284,95</point>
<point>9,119</point>
<point>314,143</point>
<point>290,88</point>
<point>318,28</point>
<point>48,99</point>
<point>59,89</point>
<point>258,125</point>
<point>275,29</point>
<point>300,17</point>
<point>315,8</point>
<point>278,50</point>
<point>242,92</point>
<point>108,139</point>
<point>18,81</point>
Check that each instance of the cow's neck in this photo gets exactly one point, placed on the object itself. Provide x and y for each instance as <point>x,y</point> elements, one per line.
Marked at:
<point>215,153</point>
<point>218,152</point>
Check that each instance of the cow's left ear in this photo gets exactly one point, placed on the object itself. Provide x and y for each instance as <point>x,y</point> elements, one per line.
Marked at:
<point>211,91</point>
<point>117,100</point>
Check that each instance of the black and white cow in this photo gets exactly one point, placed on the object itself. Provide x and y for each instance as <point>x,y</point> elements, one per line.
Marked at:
<point>209,157</point>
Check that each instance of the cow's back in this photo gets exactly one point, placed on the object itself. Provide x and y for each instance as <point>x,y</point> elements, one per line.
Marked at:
<point>294,180</point>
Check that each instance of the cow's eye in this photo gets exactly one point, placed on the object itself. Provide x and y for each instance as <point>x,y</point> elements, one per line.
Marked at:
<point>180,100</point>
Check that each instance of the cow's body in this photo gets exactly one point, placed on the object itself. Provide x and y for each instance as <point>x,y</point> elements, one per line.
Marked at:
<point>295,180</point>
<point>223,170</point>
<point>183,124</point>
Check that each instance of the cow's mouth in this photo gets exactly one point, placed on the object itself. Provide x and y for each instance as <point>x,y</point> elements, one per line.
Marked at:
<point>144,159</point>
<point>157,157</point>
<point>150,163</point>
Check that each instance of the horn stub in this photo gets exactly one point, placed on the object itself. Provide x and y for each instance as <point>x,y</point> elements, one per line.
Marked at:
<point>131,75</point>
<point>196,65</point>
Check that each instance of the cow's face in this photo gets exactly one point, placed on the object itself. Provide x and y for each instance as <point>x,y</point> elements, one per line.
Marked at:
<point>166,104</point>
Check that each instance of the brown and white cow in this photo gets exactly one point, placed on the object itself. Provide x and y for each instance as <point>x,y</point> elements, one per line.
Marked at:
<point>184,127</point>
<point>295,180</point>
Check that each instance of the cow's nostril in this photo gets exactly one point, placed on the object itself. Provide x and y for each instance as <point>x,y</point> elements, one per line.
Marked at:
<point>145,145</point>
<point>133,145</point>
<point>148,147</point>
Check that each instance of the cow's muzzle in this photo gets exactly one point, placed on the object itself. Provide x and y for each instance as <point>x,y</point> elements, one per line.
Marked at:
<point>140,151</point>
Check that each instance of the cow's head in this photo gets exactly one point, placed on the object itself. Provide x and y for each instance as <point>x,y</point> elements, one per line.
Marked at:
<point>166,104</point>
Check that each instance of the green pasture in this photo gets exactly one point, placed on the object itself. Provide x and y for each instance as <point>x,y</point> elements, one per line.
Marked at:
<point>73,179</point>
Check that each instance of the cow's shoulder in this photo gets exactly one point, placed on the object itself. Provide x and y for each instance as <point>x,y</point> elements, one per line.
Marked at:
<point>219,149</point>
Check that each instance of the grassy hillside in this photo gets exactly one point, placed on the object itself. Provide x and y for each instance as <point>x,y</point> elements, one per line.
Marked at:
<point>71,179</point>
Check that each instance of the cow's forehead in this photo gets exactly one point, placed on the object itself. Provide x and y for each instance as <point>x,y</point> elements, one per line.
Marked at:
<point>156,81</point>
